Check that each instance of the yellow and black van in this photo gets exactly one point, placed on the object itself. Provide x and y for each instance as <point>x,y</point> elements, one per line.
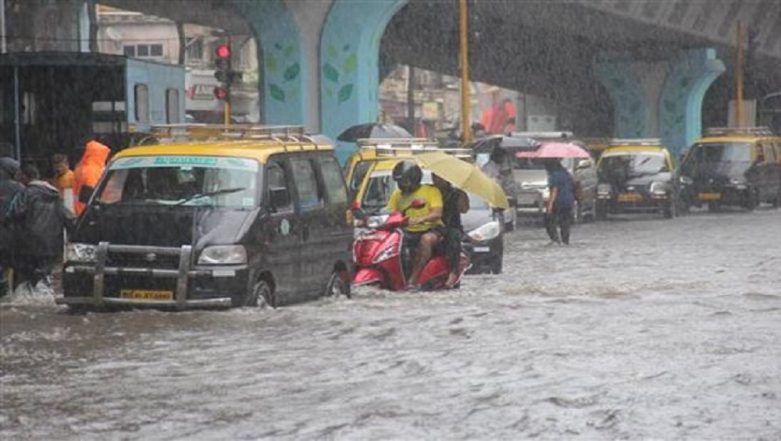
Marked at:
<point>733,166</point>
<point>213,217</point>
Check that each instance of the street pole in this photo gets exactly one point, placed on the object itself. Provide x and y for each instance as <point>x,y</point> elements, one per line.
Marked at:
<point>464,58</point>
<point>227,105</point>
<point>2,27</point>
<point>17,116</point>
<point>739,78</point>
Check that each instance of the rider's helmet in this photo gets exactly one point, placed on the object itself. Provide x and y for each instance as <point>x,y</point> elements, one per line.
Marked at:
<point>407,175</point>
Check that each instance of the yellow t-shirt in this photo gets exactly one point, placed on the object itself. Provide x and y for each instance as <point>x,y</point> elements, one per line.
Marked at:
<point>427,193</point>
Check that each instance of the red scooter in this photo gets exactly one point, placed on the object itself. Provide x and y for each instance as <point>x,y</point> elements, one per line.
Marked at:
<point>381,259</point>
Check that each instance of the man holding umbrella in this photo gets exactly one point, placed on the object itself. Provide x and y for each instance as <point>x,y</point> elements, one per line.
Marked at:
<point>560,202</point>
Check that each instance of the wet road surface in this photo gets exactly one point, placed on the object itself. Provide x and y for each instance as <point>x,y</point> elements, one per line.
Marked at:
<point>643,328</point>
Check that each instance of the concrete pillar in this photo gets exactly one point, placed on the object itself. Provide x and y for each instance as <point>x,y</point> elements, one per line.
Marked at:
<point>349,64</point>
<point>680,111</point>
<point>281,60</point>
<point>661,99</point>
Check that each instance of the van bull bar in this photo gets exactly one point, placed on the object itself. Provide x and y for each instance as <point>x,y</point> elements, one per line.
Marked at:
<point>182,274</point>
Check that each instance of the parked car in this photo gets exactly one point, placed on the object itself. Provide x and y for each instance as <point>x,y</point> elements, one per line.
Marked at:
<point>484,237</point>
<point>213,223</point>
<point>636,175</point>
<point>740,167</point>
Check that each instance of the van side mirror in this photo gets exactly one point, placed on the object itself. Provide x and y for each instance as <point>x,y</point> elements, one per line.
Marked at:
<point>280,197</point>
<point>85,193</point>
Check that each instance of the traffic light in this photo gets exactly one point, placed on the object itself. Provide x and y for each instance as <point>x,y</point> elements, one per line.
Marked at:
<point>223,72</point>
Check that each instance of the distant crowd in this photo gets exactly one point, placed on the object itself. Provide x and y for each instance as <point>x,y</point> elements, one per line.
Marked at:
<point>36,213</point>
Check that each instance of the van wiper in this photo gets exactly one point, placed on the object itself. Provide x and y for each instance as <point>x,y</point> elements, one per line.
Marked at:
<point>210,193</point>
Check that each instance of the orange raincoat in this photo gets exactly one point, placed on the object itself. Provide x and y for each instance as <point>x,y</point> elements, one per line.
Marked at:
<point>88,171</point>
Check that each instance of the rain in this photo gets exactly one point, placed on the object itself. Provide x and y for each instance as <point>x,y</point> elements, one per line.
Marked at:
<point>210,274</point>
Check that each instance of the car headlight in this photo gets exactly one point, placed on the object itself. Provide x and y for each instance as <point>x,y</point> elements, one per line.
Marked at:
<point>658,188</point>
<point>80,252</point>
<point>686,180</point>
<point>486,232</point>
<point>223,255</point>
<point>740,184</point>
<point>545,192</point>
<point>604,189</point>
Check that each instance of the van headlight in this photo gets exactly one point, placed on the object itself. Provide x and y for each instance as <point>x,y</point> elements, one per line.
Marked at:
<point>685,180</point>
<point>80,252</point>
<point>604,189</point>
<point>658,188</point>
<point>486,232</point>
<point>223,255</point>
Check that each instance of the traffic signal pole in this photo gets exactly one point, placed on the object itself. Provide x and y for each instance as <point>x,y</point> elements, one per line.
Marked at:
<point>466,127</point>
<point>227,114</point>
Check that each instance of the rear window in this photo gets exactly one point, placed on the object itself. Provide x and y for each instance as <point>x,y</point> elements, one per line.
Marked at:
<point>721,152</point>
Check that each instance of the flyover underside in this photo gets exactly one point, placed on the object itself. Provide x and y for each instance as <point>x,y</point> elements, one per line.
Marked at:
<point>544,48</point>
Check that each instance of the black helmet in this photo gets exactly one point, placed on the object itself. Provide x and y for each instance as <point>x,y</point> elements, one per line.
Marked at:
<point>407,175</point>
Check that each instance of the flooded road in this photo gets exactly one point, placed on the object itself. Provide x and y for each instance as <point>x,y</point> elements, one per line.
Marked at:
<point>643,328</point>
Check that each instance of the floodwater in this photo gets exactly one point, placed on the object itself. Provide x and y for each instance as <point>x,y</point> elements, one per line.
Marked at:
<point>642,329</point>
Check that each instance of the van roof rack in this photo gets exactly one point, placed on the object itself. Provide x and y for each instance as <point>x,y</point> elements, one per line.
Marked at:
<point>215,132</point>
<point>404,146</point>
<point>636,141</point>
<point>724,131</point>
<point>545,135</point>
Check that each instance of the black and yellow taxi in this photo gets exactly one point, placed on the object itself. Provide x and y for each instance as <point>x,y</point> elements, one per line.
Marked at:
<point>236,217</point>
<point>733,166</point>
<point>636,175</point>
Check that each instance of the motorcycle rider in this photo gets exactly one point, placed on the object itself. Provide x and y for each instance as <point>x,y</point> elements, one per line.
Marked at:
<point>425,215</point>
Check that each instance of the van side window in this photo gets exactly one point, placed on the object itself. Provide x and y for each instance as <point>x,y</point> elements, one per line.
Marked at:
<point>334,183</point>
<point>278,181</point>
<point>310,196</point>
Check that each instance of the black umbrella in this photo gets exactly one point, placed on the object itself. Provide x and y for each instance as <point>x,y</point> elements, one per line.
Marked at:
<point>373,130</point>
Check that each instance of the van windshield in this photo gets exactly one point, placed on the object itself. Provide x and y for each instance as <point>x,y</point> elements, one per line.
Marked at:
<point>633,164</point>
<point>181,180</point>
<point>721,152</point>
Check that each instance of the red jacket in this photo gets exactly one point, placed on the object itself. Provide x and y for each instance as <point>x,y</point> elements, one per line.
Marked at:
<point>88,171</point>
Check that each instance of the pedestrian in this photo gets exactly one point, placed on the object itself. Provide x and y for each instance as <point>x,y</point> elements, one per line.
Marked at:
<point>39,217</point>
<point>560,202</point>
<point>63,179</point>
<point>454,203</point>
<point>88,172</point>
<point>9,188</point>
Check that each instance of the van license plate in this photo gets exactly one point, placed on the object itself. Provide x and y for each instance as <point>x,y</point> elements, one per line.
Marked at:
<point>709,196</point>
<point>630,197</point>
<point>144,294</point>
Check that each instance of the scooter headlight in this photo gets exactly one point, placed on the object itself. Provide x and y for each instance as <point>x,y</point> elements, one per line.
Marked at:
<point>80,252</point>
<point>376,221</point>
<point>486,232</point>
<point>223,255</point>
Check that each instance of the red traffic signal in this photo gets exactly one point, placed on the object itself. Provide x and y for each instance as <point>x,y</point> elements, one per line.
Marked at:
<point>223,51</point>
<point>221,93</point>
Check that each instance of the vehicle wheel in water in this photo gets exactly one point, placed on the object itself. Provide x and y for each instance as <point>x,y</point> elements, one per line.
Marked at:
<point>671,210</point>
<point>496,265</point>
<point>752,200</point>
<point>338,284</point>
<point>260,295</point>
<point>714,207</point>
<point>600,210</point>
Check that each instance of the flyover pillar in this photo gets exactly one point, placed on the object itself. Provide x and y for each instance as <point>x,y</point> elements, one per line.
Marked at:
<point>661,99</point>
<point>283,64</point>
<point>349,64</point>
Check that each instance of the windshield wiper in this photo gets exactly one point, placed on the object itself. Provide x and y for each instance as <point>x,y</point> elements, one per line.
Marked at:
<point>210,193</point>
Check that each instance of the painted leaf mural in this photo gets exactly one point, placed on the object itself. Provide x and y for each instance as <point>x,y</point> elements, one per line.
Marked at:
<point>330,73</point>
<point>350,63</point>
<point>271,63</point>
<point>276,92</point>
<point>292,72</point>
<point>345,92</point>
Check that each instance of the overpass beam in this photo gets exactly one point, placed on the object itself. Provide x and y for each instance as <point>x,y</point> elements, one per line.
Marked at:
<point>349,64</point>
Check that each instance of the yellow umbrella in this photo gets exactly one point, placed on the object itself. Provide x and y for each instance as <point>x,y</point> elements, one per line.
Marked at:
<point>465,176</point>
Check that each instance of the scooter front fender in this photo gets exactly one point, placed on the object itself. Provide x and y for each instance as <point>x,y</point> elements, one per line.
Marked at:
<point>368,276</point>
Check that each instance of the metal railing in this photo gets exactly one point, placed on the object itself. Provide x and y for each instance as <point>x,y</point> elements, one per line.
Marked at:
<point>636,141</point>
<point>393,147</point>
<point>216,132</point>
<point>726,131</point>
